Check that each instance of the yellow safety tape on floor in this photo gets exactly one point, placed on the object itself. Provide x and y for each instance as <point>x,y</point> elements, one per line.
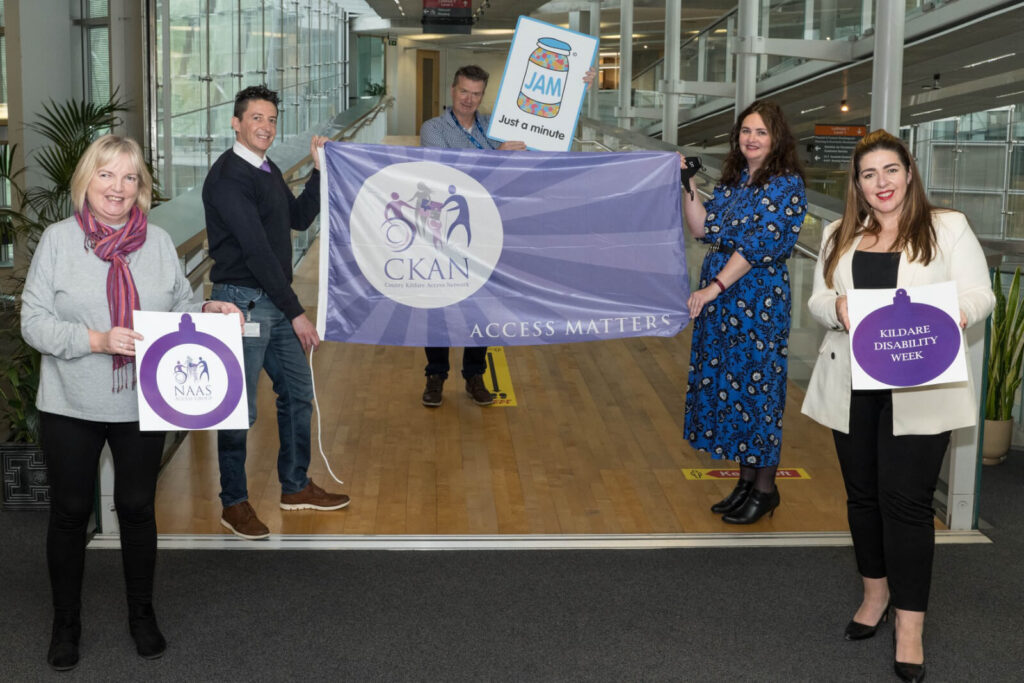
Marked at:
<point>498,378</point>
<point>787,473</point>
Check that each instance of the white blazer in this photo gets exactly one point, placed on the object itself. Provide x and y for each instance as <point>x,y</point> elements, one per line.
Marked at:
<point>915,410</point>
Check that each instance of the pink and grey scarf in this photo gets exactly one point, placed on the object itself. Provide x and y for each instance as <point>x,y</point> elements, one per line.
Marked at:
<point>113,246</point>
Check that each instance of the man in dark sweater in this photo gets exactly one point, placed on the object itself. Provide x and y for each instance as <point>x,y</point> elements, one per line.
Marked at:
<point>250,213</point>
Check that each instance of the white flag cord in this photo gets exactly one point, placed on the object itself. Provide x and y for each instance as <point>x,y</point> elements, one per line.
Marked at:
<point>316,404</point>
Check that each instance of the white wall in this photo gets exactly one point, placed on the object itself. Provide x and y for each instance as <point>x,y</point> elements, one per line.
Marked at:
<point>401,67</point>
<point>41,65</point>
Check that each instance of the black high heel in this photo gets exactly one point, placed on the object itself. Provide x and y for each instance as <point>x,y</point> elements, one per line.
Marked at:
<point>858,631</point>
<point>734,500</point>
<point>757,505</point>
<point>913,673</point>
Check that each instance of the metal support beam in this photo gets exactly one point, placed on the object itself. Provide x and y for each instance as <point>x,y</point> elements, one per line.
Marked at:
<point>887,72</point>
<point>595,30</point>
<point>746,64</point>
<point>689,88</point>
<point>625,64</point>
<point>824,50</point>
<point>576,19</point>
<point>673,30</point>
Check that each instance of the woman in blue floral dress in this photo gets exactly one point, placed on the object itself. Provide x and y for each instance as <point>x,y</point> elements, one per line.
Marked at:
<point>741,312</point>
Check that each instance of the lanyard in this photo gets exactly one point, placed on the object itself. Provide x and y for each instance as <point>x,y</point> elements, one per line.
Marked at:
<point>472,139</point>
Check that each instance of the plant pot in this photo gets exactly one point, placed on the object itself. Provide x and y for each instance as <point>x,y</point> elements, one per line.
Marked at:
<point>998,434</point>
<point>24,477</point>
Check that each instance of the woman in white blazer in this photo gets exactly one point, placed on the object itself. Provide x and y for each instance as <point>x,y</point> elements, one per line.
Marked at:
<point>891,443</point>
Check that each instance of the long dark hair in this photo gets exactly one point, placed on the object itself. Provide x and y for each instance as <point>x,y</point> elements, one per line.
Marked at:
<point>781,160</point>
<point>915,232</point>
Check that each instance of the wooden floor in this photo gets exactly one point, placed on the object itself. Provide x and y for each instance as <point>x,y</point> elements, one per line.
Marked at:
<point>594,446</point>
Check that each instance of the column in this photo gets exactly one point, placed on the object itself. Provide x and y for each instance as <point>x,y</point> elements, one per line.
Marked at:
<point>887,70</point>
<point>670,117</point>
<point>746,63</point>
<point>625,63</point>
<point>595,30</point>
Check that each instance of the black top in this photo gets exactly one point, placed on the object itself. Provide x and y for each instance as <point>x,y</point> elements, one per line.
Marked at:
<point>875,269</point>
<point>249,218</point>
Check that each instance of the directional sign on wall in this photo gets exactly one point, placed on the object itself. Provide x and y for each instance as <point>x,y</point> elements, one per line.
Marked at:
<point>835,144</point>
<point>447,16</point>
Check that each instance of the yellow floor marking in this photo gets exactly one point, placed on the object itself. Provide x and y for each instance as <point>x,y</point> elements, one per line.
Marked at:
<point>498,378</point>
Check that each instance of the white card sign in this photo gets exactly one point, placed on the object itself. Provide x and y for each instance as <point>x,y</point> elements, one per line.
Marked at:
<point>542,89</point>
<point>191,372</point>
<point>906,337</point>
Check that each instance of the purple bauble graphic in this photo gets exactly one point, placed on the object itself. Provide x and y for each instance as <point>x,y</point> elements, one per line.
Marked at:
<point>906,344</point>
<point>187,334</point>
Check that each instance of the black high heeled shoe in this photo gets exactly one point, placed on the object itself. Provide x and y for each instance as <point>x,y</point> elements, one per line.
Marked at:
<point>734,500</point>
<point>913,673</point>
<point>64,638</point>
<point>757,505</point>
<point>858,631</point>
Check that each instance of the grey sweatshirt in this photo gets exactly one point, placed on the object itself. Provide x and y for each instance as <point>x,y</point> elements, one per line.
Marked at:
<point>66,295</point>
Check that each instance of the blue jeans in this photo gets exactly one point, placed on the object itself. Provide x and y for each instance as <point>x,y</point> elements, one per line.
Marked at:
<point>278,351</point>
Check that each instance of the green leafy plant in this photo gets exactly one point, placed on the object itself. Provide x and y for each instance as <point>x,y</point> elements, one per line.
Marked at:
<point>375,89</point>
<point>1006,350</point>
<point>69,128</point>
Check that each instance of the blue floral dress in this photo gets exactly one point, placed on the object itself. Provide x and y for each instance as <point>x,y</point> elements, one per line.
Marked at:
<point>737,383</point>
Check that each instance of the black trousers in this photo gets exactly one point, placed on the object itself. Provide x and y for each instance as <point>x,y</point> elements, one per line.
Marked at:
<point>474,361</point>
<point>72,449</point>
<point>890,481</point>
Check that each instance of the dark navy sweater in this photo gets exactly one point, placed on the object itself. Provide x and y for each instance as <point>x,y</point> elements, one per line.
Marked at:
<point>249,218</point>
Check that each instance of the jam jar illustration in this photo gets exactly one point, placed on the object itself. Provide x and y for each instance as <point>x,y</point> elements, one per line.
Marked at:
<point>544,83</point>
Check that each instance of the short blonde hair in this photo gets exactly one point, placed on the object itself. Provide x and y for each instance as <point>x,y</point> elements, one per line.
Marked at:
<point>102,152</point>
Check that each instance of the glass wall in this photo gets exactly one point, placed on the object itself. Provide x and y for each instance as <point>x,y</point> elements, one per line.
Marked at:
<point>208,50</point>
<point>371,65</point>
<point>975,164</point>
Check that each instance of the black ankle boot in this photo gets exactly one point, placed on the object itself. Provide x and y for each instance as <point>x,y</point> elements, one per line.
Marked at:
<point>149,642</point>
<point>757,505</point>
<point>734,500</point>
<point>67,631</point>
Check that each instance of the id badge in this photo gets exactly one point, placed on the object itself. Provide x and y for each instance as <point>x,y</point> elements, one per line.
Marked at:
<point>251,330</point>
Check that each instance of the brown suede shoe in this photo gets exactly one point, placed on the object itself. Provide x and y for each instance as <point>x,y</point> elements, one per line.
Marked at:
<point>476,389</point>
<point>313,498</point>
<point>432,395</point>
<point>243,522</point>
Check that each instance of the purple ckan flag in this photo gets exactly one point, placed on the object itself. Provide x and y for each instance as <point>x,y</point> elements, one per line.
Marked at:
<point>438,247</point>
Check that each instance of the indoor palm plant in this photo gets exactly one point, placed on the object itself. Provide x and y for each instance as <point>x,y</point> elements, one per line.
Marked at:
<point>69,128</point>
<point>1006,351</point>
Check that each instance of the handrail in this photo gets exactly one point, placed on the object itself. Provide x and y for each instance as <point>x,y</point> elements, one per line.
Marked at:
<point>825,208</point>
<point>337,131</point>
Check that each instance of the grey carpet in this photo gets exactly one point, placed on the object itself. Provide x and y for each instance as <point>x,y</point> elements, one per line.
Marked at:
<point>666,615</point>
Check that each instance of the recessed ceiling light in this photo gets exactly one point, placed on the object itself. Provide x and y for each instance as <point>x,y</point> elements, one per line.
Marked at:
<point>930,111</point>
<point>1010,94</point>
<point>808,111</point>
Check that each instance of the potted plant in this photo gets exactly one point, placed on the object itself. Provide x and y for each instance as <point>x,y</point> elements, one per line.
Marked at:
<point>1006,351</point>
<point>69,128</point>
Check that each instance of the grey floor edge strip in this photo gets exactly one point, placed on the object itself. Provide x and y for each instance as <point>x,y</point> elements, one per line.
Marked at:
<point>517,542</point>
